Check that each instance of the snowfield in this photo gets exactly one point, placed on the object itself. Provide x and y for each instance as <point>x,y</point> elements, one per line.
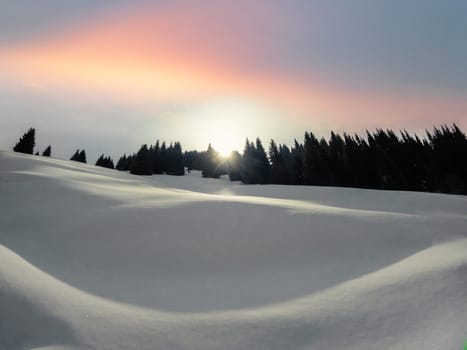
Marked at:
<point>92,258</point>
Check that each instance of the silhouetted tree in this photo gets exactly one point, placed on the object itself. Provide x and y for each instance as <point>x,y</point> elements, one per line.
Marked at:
<point>297,163</point>
<point>79,156</point>
<point>174,160</point>
<point>247,165</point>
<point>47,152</point>
<point>82,156</point>
<point>255,167</point>
<point>316,161</point>
<point>193,160</point>
<point>26,143</point>
<point>105,162</point>
<point>122,163</point>
<point>448,159</point>
<point>163,157</point>
<point>157,163</point>
<point>279,172</point>
<point>262,163</point>
<point>75,155</point>
<point>233,163</point>
<point>100,160</point>
<point>212,162</point>
<point>142,164</point>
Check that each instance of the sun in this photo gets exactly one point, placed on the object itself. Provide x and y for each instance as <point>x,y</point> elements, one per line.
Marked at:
<point>224,142</point>
<point>225,154</point>
<point>224,124</point>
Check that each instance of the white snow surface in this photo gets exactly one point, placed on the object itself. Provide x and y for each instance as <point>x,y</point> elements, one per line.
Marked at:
<point>92,258</point>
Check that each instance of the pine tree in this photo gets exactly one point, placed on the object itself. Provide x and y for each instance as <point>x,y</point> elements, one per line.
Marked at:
<point>192,160</point>
<point>279,171</point>
<point>233,165</point>
<point>163,158</point>
<point>142,163</point>
<point>47,152</point>
<point>255,167</point>
<point>105,162</point>
<point>263,168</point>
<point>125,163</point>
<point>247,166</point>
<point>175,160</point>
<point>157,159</point>
<point>297,161</point>
<point>79,156</point>
<point>169,159</point>
<point>26,143</point>
<point>122,163</point>
<point>75,156</point>
<point>82,156</point>
<point>211,166</point>
<point>100,160</point>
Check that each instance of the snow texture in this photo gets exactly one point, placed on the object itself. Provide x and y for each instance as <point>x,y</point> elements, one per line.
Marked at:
<point>92,258</point>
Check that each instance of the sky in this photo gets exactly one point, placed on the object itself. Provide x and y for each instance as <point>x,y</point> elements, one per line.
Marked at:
<point>110,75</point>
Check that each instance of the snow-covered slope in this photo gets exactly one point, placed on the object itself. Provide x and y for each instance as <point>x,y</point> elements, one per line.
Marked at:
<point>95,258</point>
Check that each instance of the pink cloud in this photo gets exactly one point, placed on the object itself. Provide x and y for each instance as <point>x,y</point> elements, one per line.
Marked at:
<point>193,52</point>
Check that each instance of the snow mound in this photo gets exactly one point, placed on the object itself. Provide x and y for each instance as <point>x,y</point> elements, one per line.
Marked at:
<point>92,258</point>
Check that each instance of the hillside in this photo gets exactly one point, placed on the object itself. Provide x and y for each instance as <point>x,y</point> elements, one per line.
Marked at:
<point>92,258</point>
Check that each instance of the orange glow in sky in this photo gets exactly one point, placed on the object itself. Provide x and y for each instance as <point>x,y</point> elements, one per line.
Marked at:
<point>188,54</point>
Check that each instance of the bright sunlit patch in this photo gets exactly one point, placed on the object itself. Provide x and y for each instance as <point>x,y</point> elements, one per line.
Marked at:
<point>225,147</point>
<point>225,122</point>
<point>224,138</point>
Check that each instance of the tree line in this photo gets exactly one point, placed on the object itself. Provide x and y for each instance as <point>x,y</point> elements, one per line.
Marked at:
<point>382,159</point>
<point>154,159</point>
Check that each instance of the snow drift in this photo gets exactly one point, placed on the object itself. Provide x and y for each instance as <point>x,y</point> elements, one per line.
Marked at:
<point>91,258</point>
